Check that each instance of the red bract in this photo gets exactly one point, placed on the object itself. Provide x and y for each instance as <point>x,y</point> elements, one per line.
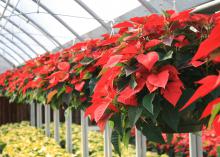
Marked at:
<point>123,25</point>
<point>104,93</point>
<point>69,89</point>
<point>210,107</point>
<point>79,86</point>
<point>208,84</point>
<point>209,45</point>
<point>56,77</point>
<point>127,96</point>
<point>152,43</point>
<point>159,79</point>
<point>113,60</point>
<point>148,60</point>
<point>216,125</point>
<point>63,66</point>
<point>172,92</point>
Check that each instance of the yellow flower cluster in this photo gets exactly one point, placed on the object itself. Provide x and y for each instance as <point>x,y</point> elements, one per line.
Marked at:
<point>22,140</point>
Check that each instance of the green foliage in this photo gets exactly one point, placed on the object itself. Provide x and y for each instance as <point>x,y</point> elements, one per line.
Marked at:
<point>147,102</point>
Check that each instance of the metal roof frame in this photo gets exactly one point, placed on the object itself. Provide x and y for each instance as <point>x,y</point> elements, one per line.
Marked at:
<point>10,55</point>
<point>15,44</point>
<point>59,19</point>
<point>19,39</point>
<point>6,6</point>
<point>35,24</point>
<point>148,6</point>
<point>7,60</point>
<point>208,8</point>
<point>3,43</point>
<point>93,14</point>
<point>25,32</point>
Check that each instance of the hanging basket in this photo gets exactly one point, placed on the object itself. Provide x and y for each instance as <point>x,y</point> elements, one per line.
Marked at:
<point>183,129</point>
<point>189,122</point>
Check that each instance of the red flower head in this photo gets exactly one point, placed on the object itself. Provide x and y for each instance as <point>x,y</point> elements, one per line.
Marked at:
<point>63,66</point>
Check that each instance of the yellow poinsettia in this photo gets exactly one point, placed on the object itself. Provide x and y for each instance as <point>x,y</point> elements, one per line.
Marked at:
<point>22,140</point>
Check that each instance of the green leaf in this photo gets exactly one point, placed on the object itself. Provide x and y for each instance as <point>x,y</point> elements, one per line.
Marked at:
<point>126,138</point>
<point>129,70</point>
<point>2,146</point>
<point>60,91</point>
<point>152,133</point>
<point>171,116</point>
<point>133,82</point>
<point>115,139</point>
<point>218,151</point>
<point>147,102</point>
<point>118,122</point>
<point>168,55</point>
<point>215,111</point>
<point>86,61</point>
<point>92,84</point>
<point>169,138</point>
<point>66,98</point>
<point>134,114</point>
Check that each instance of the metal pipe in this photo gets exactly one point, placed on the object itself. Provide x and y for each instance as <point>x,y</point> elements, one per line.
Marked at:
<point>25,32</point>
<point>39,115</point>
<point>47,120</point>
<point>8,61</point>
<point>68,120</point>
<point>195,145</point>
<point>148,6</point>
<point>11,41</point>
<point>140,144</point>
<point>19,39</point>
<point>32,114</point>
<point>93,14</point>
<point>84,135</point>
<point>59,19</point>
<point>56,119</point>
<point>107,141</point>
<point>3,43</point>
<point>40,28</point>
<point>208,8</point>
<point>6,6</point>
<point>10,55</point>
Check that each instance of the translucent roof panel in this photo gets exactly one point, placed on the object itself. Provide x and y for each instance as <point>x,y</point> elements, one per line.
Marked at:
<point>50,24</point>
<point>40,25</point>
<point>19,43</point>
<point>73,14</point>
<point>110,9</point>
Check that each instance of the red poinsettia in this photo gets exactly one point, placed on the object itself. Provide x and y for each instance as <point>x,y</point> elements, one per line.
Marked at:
<point>208,84</point>
<point>56,77</point>
<point>63,66</point>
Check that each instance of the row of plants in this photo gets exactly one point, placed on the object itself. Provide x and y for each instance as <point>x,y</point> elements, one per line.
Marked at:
<point>159,73</point>
<point>20,139</point>
<point>23,140</point>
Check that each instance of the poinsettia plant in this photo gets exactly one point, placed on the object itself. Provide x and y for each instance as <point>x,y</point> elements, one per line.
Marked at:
<point>159,73</point>
<point>149,80</point>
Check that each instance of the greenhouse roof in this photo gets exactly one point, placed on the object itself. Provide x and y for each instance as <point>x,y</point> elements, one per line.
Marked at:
<point>33,27</point>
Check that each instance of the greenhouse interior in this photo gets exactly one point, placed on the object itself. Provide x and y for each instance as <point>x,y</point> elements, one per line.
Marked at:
<point>117,78</point>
